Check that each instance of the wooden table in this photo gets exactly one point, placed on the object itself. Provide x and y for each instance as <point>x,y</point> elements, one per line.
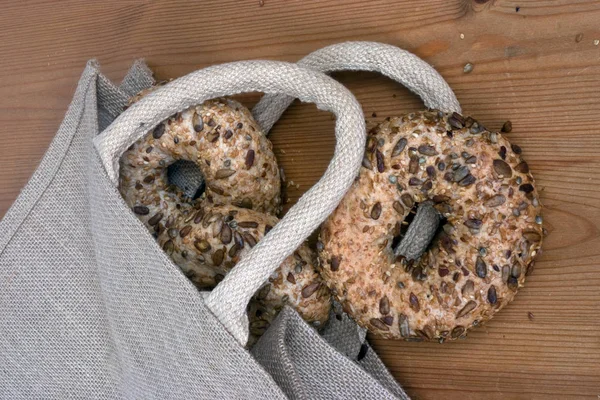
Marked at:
<point>536,63</point>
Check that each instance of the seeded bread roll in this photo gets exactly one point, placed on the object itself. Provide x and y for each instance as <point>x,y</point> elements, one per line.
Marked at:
<point>491,232</point>
<point>206,237</point>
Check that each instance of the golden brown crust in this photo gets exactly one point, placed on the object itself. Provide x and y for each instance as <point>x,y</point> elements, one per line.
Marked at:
<point>473,268</point>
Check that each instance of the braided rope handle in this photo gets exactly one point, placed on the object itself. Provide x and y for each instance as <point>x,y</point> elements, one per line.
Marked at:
<point>229,299</point>
<point>391,61</point>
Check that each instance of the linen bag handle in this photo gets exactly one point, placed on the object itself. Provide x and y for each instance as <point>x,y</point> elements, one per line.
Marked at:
<point>228,301</point>
<point>391,61</point>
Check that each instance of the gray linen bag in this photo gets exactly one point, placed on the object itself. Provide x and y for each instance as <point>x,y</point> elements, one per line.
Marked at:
<point>90,306</point>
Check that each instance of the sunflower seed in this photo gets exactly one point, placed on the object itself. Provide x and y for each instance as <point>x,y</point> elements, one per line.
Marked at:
<point>427,150</point>
<point>413,181</point>
<point>366,163</point>
<point>431,171</point>
<point>169,246</point>
<point>185,231</point>
<point>309,290</point>
<point>384,305</point>
<point>427,185</point>
<point>502,168</point>
<point>513,283</point>
<point>228,134</point>
<point>532,236</point>
<point>248,224</point>
<point>502,152</point>
<point>202,245</point>
<point>475,129</point>
<point>470,306</point>
<point>457,331</point>
<point>224,173</point>
<point>467,181</point>
<point>155,219</point>
<point>495,201</point>
<point>377,323</point>
<point>249,239</point>
<point>506,127</point>
<point>268,228</point>
<point>399,147</point>
<point>538,219</point>
<point>238,239</point>
<point>515,271</point>
<point>197,122</point>
<point>527,188</point>
<point>141,210</point>
<point>460,173</point>
<point>380,163</point>
<point>334,263</point>
<point>413,165</point>
<point>404,326</point>
<point>172,232</point>
<point>158,131</point>
<point>212,136</point>
<point>414,302</point>
<point>398,207</point>
<point>516,149</point>
<point>491,295</point>
<point>290,278</point>
<point>245,203</point>
<point>217,257</point>
<point>249,159</point>
<point>234,250</point>
<point>468,288</point>
<point>407,200</point>
<point>427,332</point>
<point>376,211</point>
<point>456,123</point>
<point>217,227</point>
<point>226,234</point>
<point>480,267</point>
<point>441,166</point>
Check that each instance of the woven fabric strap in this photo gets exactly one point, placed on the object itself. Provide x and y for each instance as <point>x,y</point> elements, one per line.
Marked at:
<point>391,61</point>
<point>229,299</point>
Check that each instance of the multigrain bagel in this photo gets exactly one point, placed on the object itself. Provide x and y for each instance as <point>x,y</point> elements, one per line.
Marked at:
<point>222,138</point>
<point>207,236</point>
<point>491,232</point>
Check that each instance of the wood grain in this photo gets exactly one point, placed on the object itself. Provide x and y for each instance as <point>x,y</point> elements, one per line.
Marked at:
<point>531,67</point>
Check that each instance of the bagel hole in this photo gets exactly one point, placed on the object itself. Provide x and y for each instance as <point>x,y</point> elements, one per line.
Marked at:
<point>404,226</point>
<point>408,221</point>
<point>186,175</point>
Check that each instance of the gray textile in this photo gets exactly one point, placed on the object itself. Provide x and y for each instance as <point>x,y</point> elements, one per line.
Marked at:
<point>420,232</point>
<point>90,306</point>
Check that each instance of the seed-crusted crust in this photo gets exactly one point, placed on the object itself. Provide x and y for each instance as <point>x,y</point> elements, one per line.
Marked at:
<point>475,264</point>
<point>208,236</point>
<point>221,136</point>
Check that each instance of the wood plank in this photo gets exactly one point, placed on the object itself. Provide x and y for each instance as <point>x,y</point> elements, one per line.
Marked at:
<point>538,67</point>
